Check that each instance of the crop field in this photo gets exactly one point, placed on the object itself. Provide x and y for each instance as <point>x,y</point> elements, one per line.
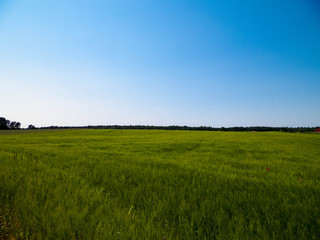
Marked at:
<point>156,184</point>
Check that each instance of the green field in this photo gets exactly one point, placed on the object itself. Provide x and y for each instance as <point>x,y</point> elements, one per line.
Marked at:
<point>156,184</point>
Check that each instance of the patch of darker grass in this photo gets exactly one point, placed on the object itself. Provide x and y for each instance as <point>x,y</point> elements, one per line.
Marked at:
<point>10,227</point>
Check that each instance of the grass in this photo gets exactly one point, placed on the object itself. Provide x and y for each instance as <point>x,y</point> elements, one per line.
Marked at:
<point>156,184</point>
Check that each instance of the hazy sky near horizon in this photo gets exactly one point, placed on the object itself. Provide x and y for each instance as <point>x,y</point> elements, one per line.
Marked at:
<point>213,63</point>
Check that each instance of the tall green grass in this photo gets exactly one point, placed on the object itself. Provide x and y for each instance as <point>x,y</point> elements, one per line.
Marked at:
<point>155,184</point>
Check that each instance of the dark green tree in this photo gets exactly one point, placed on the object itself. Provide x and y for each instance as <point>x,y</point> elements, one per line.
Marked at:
<point>31,126</point>
<point>15,125</point>
<point>3,123</point>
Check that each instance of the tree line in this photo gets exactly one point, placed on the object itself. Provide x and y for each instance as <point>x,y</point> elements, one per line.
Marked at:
<point>7,124</point>
<point>201,128</point>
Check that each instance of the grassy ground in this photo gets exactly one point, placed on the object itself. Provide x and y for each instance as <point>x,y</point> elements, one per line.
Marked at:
<point>149,184</point>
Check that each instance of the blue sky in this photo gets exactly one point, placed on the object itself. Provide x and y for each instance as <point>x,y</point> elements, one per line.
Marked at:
<point>212,63</point>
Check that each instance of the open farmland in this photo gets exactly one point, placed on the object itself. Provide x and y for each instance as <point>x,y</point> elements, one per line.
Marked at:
<point>153,184</point>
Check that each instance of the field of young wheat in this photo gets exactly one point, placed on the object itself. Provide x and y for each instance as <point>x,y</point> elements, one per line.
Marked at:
<point>156,184</point>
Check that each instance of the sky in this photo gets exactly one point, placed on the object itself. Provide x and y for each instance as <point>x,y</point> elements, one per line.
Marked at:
<point>144,62</point>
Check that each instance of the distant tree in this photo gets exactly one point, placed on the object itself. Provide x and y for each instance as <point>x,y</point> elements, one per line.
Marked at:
<point>12,125</point>
<point>31,126</point>
<point>3,123</point>
<point>18,125</point>
<point>15,125</point>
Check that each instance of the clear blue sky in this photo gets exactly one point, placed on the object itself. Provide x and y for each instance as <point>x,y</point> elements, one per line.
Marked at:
<point>212,63</point>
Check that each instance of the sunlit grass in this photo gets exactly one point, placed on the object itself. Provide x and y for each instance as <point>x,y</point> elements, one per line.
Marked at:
<point>149,184</point>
